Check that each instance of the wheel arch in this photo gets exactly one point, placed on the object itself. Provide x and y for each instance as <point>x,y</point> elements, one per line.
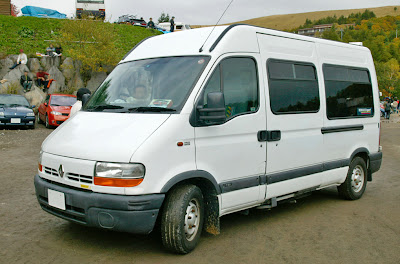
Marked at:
<point>210,190</point>
<point>360,152</point>
<point>364,154</point>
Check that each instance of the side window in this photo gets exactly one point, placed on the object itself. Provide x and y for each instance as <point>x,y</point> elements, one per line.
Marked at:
<point>237,79</point>
<point>348,92</point>
<point>293,87</point>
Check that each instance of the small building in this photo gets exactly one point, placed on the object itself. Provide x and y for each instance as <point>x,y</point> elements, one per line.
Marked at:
<point>5,7</point>
<point>318,29</point>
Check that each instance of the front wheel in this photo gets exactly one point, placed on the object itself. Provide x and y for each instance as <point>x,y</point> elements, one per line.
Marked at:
<point>182,219</point>
<point>47,124</point>
<point>356,182</point>
<point>38,120</point>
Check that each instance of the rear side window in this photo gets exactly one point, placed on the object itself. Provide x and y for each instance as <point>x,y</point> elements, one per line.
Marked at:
<point>293,87</point>
<point>348,92</point>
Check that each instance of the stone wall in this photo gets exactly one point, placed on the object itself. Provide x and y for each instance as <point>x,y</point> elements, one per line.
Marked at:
<point>65,72</point>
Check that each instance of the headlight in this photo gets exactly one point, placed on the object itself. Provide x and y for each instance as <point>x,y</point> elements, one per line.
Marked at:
<point>118,174</point>
<point>30,114</point>
<point>1,113</point>
<point>55,113</point>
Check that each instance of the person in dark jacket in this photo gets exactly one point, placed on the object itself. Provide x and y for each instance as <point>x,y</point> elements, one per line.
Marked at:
<point>387,109</point>
<point>26,82</point>
<point>150,24</point>
<point>172,21</point>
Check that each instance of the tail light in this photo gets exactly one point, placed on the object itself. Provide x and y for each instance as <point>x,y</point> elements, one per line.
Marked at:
<point>102,10</point>
<point>79,9</point>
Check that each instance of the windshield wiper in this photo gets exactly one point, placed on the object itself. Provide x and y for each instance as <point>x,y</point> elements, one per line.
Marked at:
<point>103,107</point>
<point>150,109</point>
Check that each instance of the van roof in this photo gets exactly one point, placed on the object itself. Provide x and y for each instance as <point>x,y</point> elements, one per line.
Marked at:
<point>216,40</point>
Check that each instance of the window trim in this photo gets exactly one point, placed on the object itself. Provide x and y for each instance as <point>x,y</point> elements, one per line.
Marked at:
<point>298,63</point>
<point>211,72</point>
<point>352,68</point>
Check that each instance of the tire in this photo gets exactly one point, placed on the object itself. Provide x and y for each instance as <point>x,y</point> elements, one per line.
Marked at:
<point>38,120</point>
<point>47,124</point>
<point>182,219</point>
<point>356,181</point>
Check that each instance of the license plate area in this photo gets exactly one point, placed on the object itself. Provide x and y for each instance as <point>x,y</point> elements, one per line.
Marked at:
<point>15,120</point>
<point>56,199</point>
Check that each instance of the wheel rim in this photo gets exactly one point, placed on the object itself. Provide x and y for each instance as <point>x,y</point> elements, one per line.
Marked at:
<point>357,178</point>
<point>192,219</point>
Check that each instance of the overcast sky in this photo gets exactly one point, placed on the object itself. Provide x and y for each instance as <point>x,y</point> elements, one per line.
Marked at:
<point>206,12</point>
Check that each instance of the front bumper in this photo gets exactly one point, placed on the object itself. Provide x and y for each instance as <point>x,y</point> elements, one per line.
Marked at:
<point>24,121</point>
<point>57,120</point>
<point>132,214</point>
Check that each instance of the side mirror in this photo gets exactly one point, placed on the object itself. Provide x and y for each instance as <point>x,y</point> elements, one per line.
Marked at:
<point>214,112</point>
<point>33,106</point>
<point>85,99</point>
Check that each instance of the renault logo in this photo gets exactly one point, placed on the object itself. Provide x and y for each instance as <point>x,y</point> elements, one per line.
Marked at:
<point>61,171</point>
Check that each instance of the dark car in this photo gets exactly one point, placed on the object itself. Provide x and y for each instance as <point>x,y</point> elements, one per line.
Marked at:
<point>15,110</point>
<point>129,19</point>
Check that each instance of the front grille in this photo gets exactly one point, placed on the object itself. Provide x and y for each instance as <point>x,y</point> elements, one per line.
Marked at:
<point>70,176</point>
<point>59,122</point>
<point>80,178</point>
<point>65,114</point>
<point>51,171</point>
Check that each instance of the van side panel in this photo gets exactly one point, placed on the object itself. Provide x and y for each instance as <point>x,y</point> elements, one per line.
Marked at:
<point>298,152</point>
<point>365,133</point>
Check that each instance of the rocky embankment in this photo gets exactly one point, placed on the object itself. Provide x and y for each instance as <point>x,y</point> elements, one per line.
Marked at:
<point>65,71</point>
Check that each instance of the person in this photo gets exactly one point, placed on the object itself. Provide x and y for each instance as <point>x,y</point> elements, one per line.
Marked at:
<point>395,105</point>
<point>78,104</point>
<point>49,82</point>
<point>26,81</point>
<point>140,92</point>
<point>22,59</point>
<point>398,105</point>
<point>42,77</point>
<point>50,50</point>
<point>172,21</point>
<point>151,23</point>
<point>387,108</point>
<point>59,50</point>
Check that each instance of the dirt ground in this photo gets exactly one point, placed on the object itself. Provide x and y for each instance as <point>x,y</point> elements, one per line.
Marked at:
<point>321,228</point>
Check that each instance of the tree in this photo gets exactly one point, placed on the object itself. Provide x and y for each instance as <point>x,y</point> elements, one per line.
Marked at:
<point>14,10</point>
<point>163,18</point>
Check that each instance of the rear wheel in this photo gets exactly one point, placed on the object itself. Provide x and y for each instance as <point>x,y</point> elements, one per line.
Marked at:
<point>182,219</point>
<point>356,182</point>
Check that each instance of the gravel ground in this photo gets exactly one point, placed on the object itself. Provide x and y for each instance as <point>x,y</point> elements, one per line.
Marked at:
<point>321,228</point>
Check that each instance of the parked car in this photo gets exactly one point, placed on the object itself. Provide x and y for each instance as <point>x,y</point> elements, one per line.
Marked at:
<point>15,110</point>
<point>179,26</point>
<point>138,22</point>
<point>55,109</point>
<point>129,19</point>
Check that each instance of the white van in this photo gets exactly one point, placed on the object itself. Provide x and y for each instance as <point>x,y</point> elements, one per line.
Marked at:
<point>184,133</point>
<point>179,26</point>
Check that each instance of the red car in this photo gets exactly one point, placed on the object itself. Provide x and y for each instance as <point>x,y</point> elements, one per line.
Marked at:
<point>55,109</point>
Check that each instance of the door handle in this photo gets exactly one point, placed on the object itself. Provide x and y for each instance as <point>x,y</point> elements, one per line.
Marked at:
<point>273,135</point>
<point>262,135</point>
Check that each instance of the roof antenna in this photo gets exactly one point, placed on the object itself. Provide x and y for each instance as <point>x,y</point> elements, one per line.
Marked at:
<point>201,49</point>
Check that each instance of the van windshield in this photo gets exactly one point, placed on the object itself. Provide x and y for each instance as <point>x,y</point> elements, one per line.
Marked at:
<point>151,85</point>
